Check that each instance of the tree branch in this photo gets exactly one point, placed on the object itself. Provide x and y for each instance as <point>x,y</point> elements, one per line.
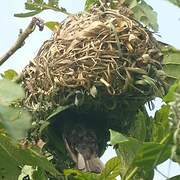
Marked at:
<point>21,38</point>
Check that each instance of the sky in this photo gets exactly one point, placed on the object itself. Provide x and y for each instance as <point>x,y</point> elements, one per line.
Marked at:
<point>169,30</point>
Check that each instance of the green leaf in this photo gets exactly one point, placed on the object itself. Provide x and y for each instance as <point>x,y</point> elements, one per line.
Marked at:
<point>127,152</point>
<point>13,158</point>
<point>52,25</point>
<point>151,154</point>
<point>87,176</point>
<point>28,14</point>
<point>10,74</point>
<point>9,92</point>
<point>111,170</point>
<point>39,174</point>
<point>90,3</point>
<point>38,1</point>
<point>53,3</point>
<point>145,14</point>
<point>171,55</point>
<point>174,178</point>
<point>37,6</point>
<point>68,172</point>
<point>138,129</point>
<point>171,62</point>
<point>172,70</point>
<point>15,120</point>
<point>9,168</point>
<point>117,137</point>
<point>126,149</point>
<point>79,175</point>
<point>160,124</point>
<point>131,3</point>
<point>145,156</point>
<point>170,95</point>
<point>33,6</point>
<point>175,2</point>
<point>26,171</point>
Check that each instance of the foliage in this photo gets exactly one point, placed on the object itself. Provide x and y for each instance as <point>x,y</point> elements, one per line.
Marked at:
<point>141,127</point>
<point>171,61</point>
<point>9,74</point>
<point>175,177</point>
<point>150,139</point>
<point>52,25</point>
<point>13,158</point>
<point>170,96</point>
<point>145,14</point>
<point>90,3</point>
<point>174,120</point>
<point>142,12</point>
<point>161,124</point>
<point>175,2</point>
<point>138,158</point>
<point>16,121</point>
<point>110,172</point>
<point>37,6</point>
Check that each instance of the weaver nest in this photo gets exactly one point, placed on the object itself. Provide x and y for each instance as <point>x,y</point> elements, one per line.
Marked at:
<point>97,55</point>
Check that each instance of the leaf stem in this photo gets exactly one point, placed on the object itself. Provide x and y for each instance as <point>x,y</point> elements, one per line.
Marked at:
<point>134,171</point>
<point>60,9</point>
<point>165,138</point>
<point>20,40</point>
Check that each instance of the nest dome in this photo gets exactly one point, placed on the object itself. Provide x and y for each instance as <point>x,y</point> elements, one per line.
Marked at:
<point>100,54</point>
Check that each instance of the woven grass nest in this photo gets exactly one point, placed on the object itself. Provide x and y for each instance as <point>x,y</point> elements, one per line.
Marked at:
<point>100,56</point>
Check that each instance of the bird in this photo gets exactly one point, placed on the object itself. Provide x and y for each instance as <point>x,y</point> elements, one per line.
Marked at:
<point>81,144</point>
<point>77,136</point>
<point>82,141</point>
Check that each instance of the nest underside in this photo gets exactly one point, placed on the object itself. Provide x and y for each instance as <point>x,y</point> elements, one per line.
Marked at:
<point>100,55</point>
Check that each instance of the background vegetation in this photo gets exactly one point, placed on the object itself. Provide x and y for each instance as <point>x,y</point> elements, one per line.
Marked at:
<point>135,157</point>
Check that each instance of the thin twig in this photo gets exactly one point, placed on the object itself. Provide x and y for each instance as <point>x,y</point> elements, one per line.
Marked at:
<point>21,38</point>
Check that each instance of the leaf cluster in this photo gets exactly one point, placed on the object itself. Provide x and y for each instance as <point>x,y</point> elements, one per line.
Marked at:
<point>141,11</point>
<point>175,2</point>
<point>14,123</point>
<point>37,6</point>
<point>14,119</point>
<point>150,139</point>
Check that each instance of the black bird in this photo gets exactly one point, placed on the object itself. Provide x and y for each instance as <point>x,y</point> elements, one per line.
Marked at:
<point>81,136</point>
<point>81,143</point>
